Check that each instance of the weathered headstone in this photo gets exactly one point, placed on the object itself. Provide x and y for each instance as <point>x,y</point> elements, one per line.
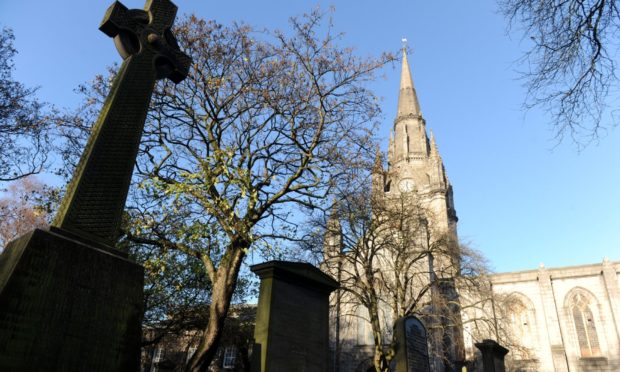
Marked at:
<point>492,356</point>
<point>69,301</point>
<point>292,318</point>
<point>411,346</point>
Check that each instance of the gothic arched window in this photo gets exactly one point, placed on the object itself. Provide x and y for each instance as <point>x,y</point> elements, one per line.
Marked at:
<point>583,319</point>
<point>522,319</point>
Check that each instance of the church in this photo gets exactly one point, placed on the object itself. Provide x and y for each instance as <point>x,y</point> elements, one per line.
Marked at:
<point>417,259</point>
<point>552,319</point>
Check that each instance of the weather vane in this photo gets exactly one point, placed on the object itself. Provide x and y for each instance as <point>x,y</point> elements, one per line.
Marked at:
<point>404,41</point>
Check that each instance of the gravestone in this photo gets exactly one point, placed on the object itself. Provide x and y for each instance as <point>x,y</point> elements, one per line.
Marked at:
<point>70,301</point>
<point>411,346</point>
<point>292,318</point>
<point>492,356</point>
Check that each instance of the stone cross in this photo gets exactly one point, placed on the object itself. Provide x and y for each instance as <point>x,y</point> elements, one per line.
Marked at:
<point>93,205</point>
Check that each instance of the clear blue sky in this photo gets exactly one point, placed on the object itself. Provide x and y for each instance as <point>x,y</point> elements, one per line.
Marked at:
<point>520,200</point>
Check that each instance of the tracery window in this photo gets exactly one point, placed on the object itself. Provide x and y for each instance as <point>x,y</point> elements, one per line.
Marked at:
<point>585,328</point>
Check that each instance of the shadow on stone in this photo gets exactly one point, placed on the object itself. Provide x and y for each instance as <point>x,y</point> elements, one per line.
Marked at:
<point>68,306</point>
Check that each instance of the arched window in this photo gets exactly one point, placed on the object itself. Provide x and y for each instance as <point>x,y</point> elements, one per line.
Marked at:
<point>522,319</point>
<point>581,313</point>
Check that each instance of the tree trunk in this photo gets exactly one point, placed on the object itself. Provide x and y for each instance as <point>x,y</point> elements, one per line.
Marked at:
<point>379,358</point>
<point>223,288</point>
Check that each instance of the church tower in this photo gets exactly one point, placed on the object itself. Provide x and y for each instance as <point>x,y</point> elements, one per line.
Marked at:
<point>414,163</point>
<point>415,187</point>
<point>415,168</point>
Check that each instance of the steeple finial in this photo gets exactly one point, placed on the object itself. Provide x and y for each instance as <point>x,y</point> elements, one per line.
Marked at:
<point>407,99</point>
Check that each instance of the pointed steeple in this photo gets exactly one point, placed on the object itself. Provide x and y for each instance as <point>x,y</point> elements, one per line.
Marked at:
<point>410,140</point>
<point>408,99</point>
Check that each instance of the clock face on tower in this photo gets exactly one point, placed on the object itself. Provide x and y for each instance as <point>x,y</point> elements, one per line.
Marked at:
<point>406,185</point>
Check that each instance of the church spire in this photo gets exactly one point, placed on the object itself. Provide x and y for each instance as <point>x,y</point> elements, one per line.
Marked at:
<point>410,140</point>
<point>408,99</point>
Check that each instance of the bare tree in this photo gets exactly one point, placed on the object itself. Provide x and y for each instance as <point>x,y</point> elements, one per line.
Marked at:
<point>392,263</point>
<point>260,127</point>
<point>24,141</point>
<point>571,64</point>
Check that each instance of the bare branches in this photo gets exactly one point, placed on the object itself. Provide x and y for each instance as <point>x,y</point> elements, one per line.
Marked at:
<point>264,124</point>
<point>571,65</point>
<point>24,139</point>
<point>393,260</point>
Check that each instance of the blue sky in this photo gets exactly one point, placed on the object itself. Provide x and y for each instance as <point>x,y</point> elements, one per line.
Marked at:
<point>520,200</point>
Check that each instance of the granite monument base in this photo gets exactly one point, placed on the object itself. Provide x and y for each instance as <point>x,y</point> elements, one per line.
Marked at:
<point>68,306</point>
<point>292,318</point>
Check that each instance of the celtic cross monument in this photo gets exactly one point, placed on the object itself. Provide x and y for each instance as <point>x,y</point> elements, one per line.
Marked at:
<point>69,301</point>
<point>93,205</point>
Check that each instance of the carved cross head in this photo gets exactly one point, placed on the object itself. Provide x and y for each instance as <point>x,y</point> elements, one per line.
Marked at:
<point>136,31</point>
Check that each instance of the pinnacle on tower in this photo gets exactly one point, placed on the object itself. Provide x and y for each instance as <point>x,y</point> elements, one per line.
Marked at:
<point>407,99</point>
<point>391,148</point>
<point>334,211</point>
<point>434,150</point>
<point>333,235</point>
<point>378,167</point>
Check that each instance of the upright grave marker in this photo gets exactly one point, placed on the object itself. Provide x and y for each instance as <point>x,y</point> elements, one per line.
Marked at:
<point>292,318</point>
<point>411,345</point>
<point>69,301</point>
<point>492,356</point>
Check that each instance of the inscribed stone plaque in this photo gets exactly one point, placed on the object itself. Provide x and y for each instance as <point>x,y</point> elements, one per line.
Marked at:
<point>411,345</point>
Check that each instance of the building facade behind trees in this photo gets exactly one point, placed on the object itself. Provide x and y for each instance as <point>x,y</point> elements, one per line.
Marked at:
<point>414,184</point>
<point>555,319</point>
<point>564,319</point>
